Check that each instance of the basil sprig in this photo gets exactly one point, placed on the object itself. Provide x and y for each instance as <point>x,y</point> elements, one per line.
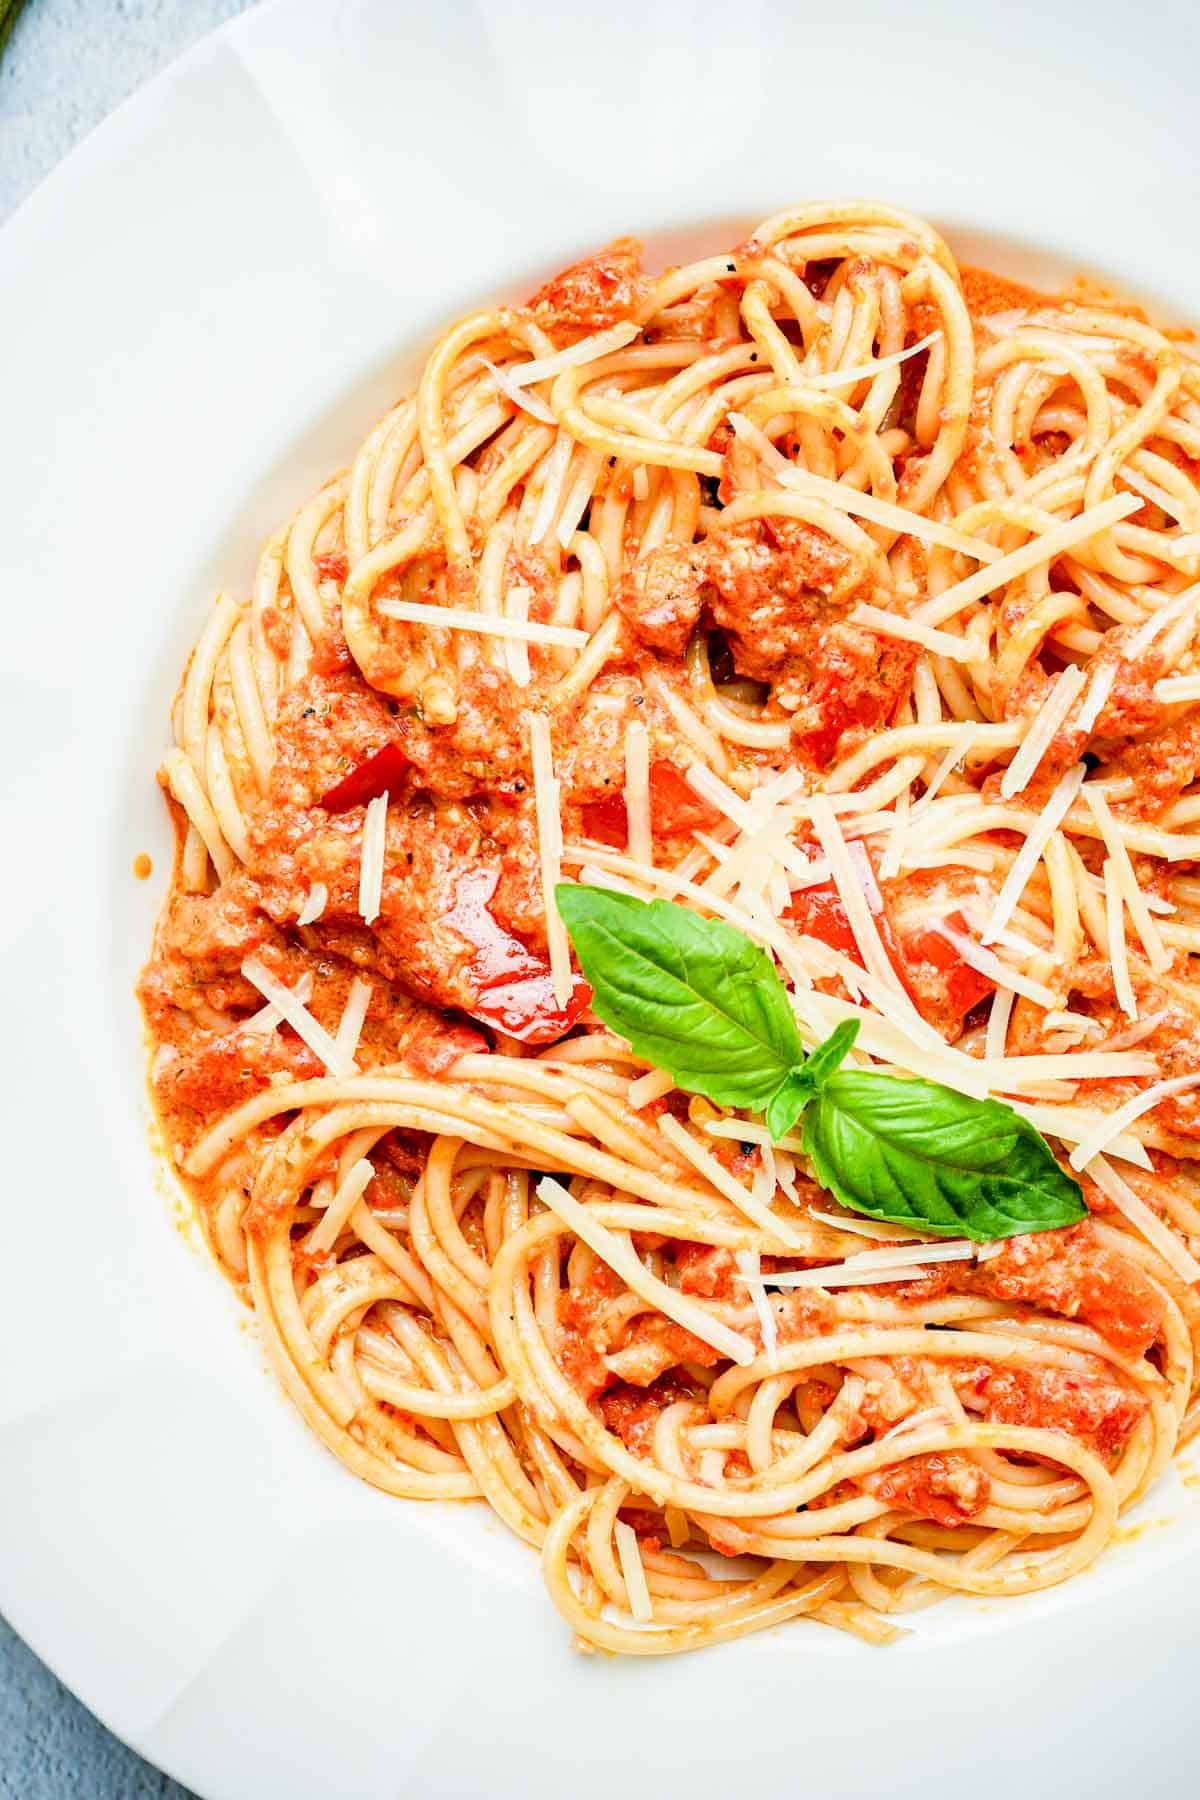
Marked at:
<point>697,998</point>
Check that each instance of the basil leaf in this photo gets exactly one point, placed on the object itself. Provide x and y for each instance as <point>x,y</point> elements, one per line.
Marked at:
<point>919,1154</point>
<point>797,1089</point>
<point>829,1056</point>
<point>788,1102</point>
<point>692,995</point>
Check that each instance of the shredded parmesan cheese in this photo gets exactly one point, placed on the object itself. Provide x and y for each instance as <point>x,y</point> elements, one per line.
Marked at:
<point>454,618</point>
<point>550,844</point>
<point>1044,549</point>
<point>268,1017</point>
<point>1157,954</point>
<point>1043,729</point>
<point>1114,1124</point>
<point>986,963</point>
<point>1172,690</point>
<point>330,1226</point>
<point>1144,1219</point>
<point>939,643</point>
<point>749,1264</point>
<point>588,349</point>
<point>554,477</point>
<point>617,1251</point>
<point>353,1015</point>
<point>514,391</point>
<point>1170,614</point>
<point>1026,859</point>
<point>291,1008</point>
<point>637,793</point>
<point>1096,698</point>
<point>867,371</point>
<point>717,1175</point>
<point>863,506</point>
<point>374,842</point>
<point>651,1086</point>
<point>314,906</point>
<point>516,650</point>
<point>849,886</point>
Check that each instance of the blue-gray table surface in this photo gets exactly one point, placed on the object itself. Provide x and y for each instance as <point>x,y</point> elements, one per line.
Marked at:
<point>67,65</point>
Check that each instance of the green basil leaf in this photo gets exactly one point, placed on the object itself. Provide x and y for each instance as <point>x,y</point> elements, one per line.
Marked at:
<point>788,1102</point>
<point>917,1153</point>
<point>797,1089</point>
<point>692,995</point>
<point>828,1057</point>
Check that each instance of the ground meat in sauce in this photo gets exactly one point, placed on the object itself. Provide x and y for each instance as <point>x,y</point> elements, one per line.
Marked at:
<point>781,591</point>
<point>1096,1409</point>
<point>1071,1273</point>
<point>945,1486</point>
<point>596,292</point>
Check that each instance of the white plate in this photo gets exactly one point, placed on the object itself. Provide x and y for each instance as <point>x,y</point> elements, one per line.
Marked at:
<point>202,312</point>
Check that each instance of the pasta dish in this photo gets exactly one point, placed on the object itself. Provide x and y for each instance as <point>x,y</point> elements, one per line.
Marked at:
<point>674,1002</point>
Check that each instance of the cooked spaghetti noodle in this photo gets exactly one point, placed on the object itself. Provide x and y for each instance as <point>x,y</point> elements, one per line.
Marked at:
<point>847,596</point>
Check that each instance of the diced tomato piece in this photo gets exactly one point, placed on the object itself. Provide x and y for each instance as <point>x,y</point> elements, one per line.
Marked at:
<point>674,809</point>
<point>513,987</point>
<point>382,773</point>
<point>940,984</point>
<point>818,912</point>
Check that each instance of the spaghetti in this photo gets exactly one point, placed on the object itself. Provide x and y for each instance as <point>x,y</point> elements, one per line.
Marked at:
<point>843,595</point>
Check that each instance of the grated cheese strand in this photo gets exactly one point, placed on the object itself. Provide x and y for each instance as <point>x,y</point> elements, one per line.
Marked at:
<point>1157,954</point>
<point>986,963</point>
<point>1118,948</point>
<point>307,1029</point>
<point>268,1017</point>
<point>588,349</point>
<point>749,1264</point>
<point>1173,690</point>
<point>515,391</point>
<point>354,1014</point>
<point>550,844</point>
<point>748,1203</point>
<point>1114,1124</point>
<point>1096,698</point>
<point>1046,548</point>
<point>637,793</point>
<point>314,906</point>
<point>350,1191</point>
<point>1043,729</point>
<point>651,1086</point>
<point>620,1255</point>
<point>1144,1219</point>
<point>457,618</point>
<point>516,650</point>
<point>374,844</point>
<point>1029,855</point>
<point>938,643</point>
<point>858,911</point>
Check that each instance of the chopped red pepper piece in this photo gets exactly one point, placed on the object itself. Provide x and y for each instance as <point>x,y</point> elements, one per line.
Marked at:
<point>674,809</point>
<point>380,774</point>
<point>513,987</point>
<point>939,983</point>
<point>818,913</point>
